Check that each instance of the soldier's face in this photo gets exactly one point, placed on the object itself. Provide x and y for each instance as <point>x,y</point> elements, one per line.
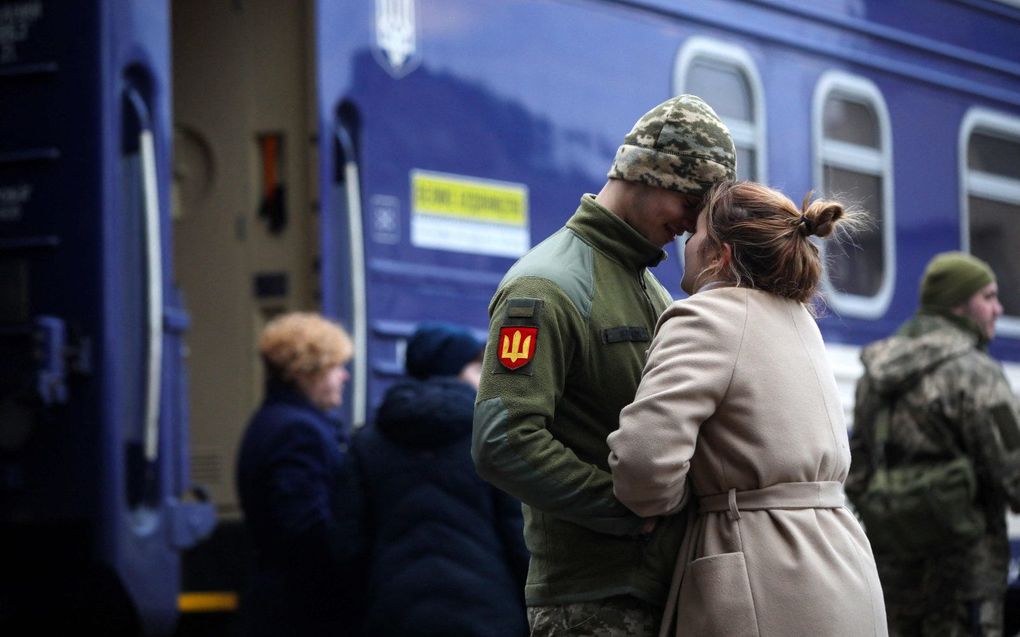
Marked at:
<point>984,309</point>
<point>662,214</point>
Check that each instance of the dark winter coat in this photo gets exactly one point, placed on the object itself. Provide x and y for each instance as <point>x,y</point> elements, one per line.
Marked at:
<point>448,555</point>
<point>294,482</point>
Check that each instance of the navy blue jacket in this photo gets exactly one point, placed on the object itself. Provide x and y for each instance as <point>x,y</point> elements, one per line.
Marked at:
<point>296,491</point>
<point>447,555</point>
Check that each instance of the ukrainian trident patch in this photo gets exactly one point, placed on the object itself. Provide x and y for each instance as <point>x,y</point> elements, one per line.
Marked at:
<point>516,345</point>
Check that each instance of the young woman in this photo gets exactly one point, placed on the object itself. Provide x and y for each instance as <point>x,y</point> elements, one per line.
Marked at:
<point>738,416</point>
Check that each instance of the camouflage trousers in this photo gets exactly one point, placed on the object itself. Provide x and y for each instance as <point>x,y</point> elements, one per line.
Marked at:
<point>929,598</point>
<point>977,618</point>
<point>621,616</point>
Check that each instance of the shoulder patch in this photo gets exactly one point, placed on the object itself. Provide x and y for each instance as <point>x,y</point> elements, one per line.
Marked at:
<point>521,308</point>
<point>516,346</point>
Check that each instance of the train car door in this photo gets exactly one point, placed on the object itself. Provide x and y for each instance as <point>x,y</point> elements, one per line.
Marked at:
<point>245,242</point>
<point>92,476</point>
<point>413,226</point>
<point>245,229</point>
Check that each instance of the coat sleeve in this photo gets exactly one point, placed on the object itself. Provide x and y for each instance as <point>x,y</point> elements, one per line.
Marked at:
<point>299,496</point>
<point>512,446</point>
<point>690,364</point>
<point>991,435</point>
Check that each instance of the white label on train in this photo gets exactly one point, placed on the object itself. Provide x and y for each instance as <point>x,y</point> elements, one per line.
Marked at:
<point>468,214</point>
<point>385,219</point>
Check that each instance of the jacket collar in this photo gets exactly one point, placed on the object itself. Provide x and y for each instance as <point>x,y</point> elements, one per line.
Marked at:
<point>427,413</point>
<point>920,345</point>
<point>925,321</point>
<point>609,234</point>
<point>278,392</point>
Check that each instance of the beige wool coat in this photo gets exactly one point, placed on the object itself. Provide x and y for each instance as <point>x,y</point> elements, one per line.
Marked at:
<point>738,414</point>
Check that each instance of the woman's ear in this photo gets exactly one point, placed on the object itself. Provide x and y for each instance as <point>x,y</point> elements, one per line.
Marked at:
<point>724,257</point>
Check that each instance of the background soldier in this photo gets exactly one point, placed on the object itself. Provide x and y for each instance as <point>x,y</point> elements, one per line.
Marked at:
<point>569,327</point>
<point>949,397</point>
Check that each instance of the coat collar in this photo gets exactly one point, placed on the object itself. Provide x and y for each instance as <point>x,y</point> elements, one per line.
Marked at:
<point>280,393</point>
<point>610,235</point>
<point>926,321</point>
<point>429,413</point>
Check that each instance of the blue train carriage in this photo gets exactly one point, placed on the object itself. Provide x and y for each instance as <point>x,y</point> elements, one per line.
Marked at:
<point>95,501</point>
<point>385,161</point>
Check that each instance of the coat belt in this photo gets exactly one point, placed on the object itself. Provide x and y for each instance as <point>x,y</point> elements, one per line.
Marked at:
<point>785,495</point>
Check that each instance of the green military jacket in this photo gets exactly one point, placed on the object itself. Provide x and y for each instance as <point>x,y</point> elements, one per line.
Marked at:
<point>570,325</point>
<point>951,398</point>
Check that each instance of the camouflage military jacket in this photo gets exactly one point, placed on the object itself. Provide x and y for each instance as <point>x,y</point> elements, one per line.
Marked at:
<point>950,398</point>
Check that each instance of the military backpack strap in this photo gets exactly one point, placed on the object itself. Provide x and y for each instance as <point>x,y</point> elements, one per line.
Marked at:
<point>882,420</point>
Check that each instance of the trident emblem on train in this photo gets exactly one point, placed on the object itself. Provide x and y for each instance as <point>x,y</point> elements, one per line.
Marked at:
<point>516,346</point>
<point>396,37</point>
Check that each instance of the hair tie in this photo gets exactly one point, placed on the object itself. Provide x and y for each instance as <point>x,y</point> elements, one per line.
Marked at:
<point>808,226</point>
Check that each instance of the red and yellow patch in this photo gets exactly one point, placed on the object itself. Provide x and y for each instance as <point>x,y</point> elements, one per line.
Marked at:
<point>516,345</point>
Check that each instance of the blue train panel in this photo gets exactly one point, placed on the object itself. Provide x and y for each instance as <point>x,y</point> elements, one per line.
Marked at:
<point>92,468</point>
<point>519,97</point>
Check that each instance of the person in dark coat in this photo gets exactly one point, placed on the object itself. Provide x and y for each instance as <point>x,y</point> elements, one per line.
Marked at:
<point>294,482</point>
<point>447,553</point>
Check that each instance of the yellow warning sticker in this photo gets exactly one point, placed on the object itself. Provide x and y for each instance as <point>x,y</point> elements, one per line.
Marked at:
<point>468,214</point>
<point>467,198</point>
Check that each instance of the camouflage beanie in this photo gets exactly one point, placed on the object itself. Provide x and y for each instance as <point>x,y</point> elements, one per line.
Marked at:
<point>679,145</point>
<point>951,278</point>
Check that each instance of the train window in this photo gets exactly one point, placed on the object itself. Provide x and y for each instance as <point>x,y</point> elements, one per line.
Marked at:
<point>851,122</point>
<point>853,162</point>
<point>723,84</point>
<point>990,191</point>
<point>726,77</point>
<point>995,155</point>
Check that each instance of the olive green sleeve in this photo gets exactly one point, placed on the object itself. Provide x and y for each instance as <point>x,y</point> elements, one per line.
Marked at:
<point>512,446</point>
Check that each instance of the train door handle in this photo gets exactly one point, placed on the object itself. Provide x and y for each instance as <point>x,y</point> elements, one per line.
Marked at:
<point>154,269</point>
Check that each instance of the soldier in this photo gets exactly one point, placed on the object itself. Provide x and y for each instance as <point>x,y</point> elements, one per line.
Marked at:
<point>569,327</point>
<point>948,399</point>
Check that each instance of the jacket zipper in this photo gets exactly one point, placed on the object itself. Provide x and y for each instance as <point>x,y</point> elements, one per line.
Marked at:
<point>644,289</point>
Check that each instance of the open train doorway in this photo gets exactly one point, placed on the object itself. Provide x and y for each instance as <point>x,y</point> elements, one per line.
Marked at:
<point>245,229</point>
